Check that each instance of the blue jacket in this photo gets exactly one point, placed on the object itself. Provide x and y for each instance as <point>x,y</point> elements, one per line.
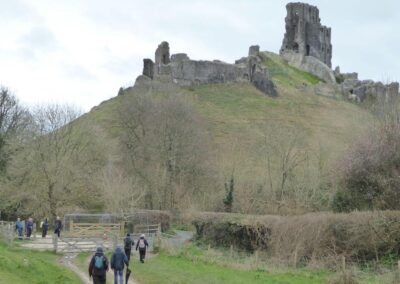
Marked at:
<point>19,225</point>
<point>29,225</point>
<point>119,259</point>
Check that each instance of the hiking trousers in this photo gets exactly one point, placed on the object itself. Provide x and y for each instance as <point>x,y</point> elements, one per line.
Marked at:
<point>101,279</point>
<point>118,275</point>
<point>128,253</point>
<point>142,253</point>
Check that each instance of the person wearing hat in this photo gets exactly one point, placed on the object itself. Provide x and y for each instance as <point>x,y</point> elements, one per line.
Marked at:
<point>98,267</point>
<point>142,244</point>
<point>128,243</point>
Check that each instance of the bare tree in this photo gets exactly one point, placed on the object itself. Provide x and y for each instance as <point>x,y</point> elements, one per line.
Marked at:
<point>54,168</point>
<point>12,119</point>
<point>167,149</point>
<point>121,192</point>
<point>284,151</point>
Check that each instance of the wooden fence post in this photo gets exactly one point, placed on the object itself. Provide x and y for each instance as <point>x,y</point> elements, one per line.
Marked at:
<point>71,227</point>
<point>231,251</point>
<point>256,255</point>
<point>122,229</point>
<point>55,243</point>
<point>344,263</point>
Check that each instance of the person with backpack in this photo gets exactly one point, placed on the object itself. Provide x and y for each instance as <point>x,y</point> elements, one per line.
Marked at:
<point>29,228</point>
<point>19,227</point>
<point>118,261</point>
<point>45,227</point>
<point>142,244</point>
<point>128,243</point>
<point>98,267</point>
<point>58,227</point>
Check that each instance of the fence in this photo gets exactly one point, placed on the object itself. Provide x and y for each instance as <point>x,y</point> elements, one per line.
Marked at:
<point>95,229</point>
<point>148,230</point>
<point>7,231</point>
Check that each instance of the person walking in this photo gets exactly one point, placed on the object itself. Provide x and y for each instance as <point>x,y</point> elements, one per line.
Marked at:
<point>19,227</point>
<point>29,227</point>
<point>45,227</point>
<point>98,267</point>
<point>118,261</point>
<point>58,227</point>
<point>128,243</point>
<point>142,244</point>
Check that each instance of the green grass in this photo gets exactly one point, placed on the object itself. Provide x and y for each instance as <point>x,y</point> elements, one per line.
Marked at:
<point>21,266</point>
<point>178,269</point>
<point>284,73</point>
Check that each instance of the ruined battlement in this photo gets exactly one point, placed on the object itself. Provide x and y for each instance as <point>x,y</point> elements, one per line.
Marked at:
<point>183,71</point>
<point>304,33</point>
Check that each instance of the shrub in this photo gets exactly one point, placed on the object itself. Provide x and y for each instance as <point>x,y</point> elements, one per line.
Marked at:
<point>370,173</point>
<point>317,237</point>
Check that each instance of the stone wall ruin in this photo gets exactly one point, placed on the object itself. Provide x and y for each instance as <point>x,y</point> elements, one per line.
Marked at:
<point>304,33</point>
<point>183,71</point>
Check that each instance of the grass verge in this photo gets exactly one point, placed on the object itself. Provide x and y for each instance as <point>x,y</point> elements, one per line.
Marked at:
<point>21,266</point>
<point>180,269</point>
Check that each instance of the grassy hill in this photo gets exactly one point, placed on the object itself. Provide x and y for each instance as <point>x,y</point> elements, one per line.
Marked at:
<point>242,122</point>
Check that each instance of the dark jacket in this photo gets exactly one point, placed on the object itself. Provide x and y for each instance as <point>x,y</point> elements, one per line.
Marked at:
<point>128,242</point>
<point>93,271</point>
<point>29,225</point>
<point>146,244</point>
<point>119,259</point>
<point>45,224</point>
<point>58,225</point>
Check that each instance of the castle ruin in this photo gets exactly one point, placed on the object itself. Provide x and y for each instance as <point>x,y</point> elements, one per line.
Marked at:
<point>304,33</point>
<point>183,71</point>
<point>306,45</point>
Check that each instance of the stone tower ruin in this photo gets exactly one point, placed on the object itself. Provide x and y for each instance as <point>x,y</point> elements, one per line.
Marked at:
<point>305,34</point>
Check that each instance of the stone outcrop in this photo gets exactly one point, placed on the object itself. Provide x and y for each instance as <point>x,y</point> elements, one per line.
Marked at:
<point>183,71</point>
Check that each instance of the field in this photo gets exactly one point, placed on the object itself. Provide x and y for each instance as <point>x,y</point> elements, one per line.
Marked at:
<point>178,269</point>
<point>21,266</point>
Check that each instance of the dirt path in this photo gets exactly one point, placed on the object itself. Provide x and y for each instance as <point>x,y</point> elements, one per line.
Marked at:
<point>68,261</point>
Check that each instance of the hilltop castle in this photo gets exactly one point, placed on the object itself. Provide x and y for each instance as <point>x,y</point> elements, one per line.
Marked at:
<point>306,45</point>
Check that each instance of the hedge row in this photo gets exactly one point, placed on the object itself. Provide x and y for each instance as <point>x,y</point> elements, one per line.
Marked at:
<point>359,236</point>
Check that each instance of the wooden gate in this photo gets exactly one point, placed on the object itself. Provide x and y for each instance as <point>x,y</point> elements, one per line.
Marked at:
<point>96,229</point>
<point>149,230</point>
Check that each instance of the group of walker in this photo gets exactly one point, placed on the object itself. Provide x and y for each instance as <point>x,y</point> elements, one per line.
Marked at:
<point>99,264</point>
<point>29,225</point>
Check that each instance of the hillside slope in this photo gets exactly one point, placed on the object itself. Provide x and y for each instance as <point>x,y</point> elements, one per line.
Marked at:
<point>246,127</point>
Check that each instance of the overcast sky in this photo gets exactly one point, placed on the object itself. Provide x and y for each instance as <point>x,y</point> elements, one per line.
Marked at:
<point>82,51</point>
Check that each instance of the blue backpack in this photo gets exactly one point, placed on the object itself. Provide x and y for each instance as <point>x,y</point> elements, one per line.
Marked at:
<point>99,262</point>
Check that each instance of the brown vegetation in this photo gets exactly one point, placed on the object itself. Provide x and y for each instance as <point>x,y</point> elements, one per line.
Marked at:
<point>310,238</point>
